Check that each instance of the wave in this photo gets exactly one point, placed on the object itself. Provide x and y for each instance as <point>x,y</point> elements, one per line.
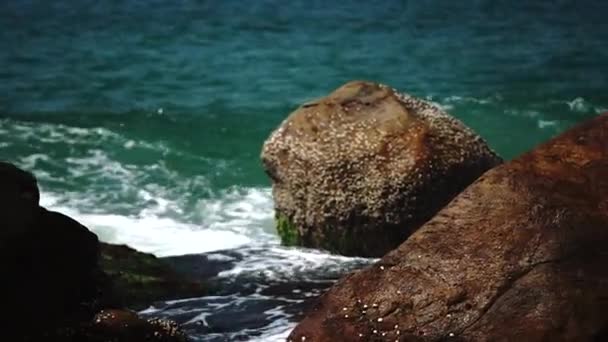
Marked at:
<point>263,291</point>
<point>249,222</point>
<point>280,263</point>
<point>580,105</point>
<point>129,191</point>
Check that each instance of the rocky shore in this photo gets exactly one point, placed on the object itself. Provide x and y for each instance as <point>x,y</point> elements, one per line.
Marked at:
<point>472,248</point>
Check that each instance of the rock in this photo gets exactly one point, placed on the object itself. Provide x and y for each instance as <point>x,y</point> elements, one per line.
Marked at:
<point>52,275</point>
<point>50,272</point>
<point>18,200</point>
<point>49,262</point>
<point>520,255</point>
<point>358,171</point>
<point>138,279</point>
<point>118,326</point>
<point>126,326</point>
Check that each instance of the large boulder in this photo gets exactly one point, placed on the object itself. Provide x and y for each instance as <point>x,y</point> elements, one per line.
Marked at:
<point>49,262</point>
<point>19,198</point>
<point>358,171</point>
<point>55,278</point>
<point>520,255</point>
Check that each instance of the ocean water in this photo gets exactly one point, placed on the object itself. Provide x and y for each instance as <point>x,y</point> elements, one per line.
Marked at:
<point>144,119</point>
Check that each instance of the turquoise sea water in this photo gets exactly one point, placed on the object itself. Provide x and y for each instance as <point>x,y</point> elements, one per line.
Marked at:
<point>145,119</point>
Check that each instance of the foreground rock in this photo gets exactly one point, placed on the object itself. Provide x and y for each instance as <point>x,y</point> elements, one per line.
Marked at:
<point>518,256</point>
<point>119,326</point>
<point>138,279</point>
<point>48,261</point>
<point>358,171</point>
<point>52,281</point>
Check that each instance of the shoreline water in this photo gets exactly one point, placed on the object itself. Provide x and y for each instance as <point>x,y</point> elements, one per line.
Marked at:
<point>265,284</point>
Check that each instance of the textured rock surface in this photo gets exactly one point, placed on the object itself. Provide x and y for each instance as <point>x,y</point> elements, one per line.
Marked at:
<point>520,255</point>
<point>116,326</point>
<point>138,279</point>
<point>359,170</point>
<point>126,326</point>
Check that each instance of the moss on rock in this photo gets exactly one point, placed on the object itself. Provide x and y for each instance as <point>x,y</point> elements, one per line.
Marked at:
<point>287,231</point>
<point>138,279</point>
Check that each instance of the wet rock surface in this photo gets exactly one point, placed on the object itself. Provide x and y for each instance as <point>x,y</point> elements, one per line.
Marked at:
<point>138,279</point>
<point>519,255</point>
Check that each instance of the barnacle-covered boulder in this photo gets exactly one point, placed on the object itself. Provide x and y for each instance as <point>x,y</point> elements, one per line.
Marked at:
<point>358,171</point>
<point>127,326</point>
<point>520,255</point>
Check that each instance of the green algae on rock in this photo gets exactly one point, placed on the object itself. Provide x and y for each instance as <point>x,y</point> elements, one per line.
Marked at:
<point>287,231</point>
<point>358,171</point>
<point>138,279</point>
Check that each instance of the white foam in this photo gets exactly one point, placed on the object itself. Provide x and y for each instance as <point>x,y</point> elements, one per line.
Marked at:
<point>464,99</point>
<point>278,262</point>
<point>125,203</point>
<point>236,209</point>
<point>546,123</point>
<point>37,133</point>
<point>579,105</point>
<point>153,232</point>
<point>277,331</point>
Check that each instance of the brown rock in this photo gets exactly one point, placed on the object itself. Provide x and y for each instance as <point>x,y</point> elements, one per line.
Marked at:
<point>126,326</point>
<point>520,255</point>
<point>116,326</point>
<point>358,171</point>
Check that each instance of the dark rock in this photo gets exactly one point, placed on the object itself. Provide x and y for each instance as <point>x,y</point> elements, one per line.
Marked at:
<point>520,255</point>
<point>126,326</point>
<point>50,271</point>
<point>358,171</point>
<point>117,326</point>
<point>138,279</point>
<point>53,282</point>
<point>18,201</point>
